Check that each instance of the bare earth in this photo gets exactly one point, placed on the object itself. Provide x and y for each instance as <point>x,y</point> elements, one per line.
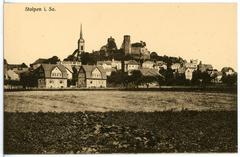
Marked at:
<point>103,101</point>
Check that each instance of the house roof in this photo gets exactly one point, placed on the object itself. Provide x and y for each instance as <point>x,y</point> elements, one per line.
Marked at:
<point>23,65</point>
<point>106,62</point>
<point>89,68</point>
<point>150,72</point>
<point>69,68</point>
<point>148,62</point>
<point>133,62</point>
<point>49,67</point>
<point>40,61</point>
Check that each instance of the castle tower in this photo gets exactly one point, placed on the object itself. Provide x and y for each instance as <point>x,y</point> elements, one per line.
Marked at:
<point>126,44</point>
<point>81,42</point>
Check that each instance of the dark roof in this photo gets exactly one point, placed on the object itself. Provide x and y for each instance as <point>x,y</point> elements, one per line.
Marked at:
<point>40,61</point>
<point>23,65</point>
<point>49,67</point>
<point>89,68</point>
<point>138,44</point>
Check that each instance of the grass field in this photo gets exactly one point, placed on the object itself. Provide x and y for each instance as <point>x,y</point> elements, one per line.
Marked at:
<point>119,122</point>
<point>102,101</point>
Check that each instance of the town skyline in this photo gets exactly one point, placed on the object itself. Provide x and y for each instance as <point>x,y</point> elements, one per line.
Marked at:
<point>59,38</point>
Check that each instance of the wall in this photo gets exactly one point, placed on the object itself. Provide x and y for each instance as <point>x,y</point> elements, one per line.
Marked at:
<point>96,83</point>
<point>56,83</point>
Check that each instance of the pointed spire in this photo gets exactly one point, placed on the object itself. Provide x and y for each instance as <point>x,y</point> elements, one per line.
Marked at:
<point>81,32</point>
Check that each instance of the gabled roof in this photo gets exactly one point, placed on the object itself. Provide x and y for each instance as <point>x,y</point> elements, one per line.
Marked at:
<point>69,68</point>
<point>49,67</point>
<point>89,68</point>
<point>150,72</point>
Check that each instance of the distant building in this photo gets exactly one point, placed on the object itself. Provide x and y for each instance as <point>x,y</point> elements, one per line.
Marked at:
<point>51,76</point>
<point>193,64</point>
<point>217,76</point>
<point>71,63</point>
<point>18,68</point>
<point>90,76</point>
<point>126,45</point>
<point>148,64</point>
<point>110,64</point>
<point>109,71</point>
<point>105,64</point>
<point>151,73</point>
<point>139,50</point>
<point>228,71</point>
<point>110,46</point>
<point>205,67</point>
<point>38,63</point>
<point>175,66</point>
<point>130,65</point>
<point>160,64</point>
<point>12,75</point>
<point>189,73</point>
<point>116,64</point>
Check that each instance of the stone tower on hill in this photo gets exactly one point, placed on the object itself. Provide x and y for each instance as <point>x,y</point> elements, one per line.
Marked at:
<point>126,46</point>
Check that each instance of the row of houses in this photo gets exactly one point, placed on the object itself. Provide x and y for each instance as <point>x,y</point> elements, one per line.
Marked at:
<point>72,74</point>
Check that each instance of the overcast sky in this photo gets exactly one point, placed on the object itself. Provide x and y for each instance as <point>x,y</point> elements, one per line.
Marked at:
<point>207,32</point>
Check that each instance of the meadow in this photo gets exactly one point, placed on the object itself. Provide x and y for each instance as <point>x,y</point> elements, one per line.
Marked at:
<point>104,101</point>
<point>67,122</point>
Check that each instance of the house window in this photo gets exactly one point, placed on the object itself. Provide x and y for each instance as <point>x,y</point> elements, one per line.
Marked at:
<point>61,81</point>
<point>91,82</point>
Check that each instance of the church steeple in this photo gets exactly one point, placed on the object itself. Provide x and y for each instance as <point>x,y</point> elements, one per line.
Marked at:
<point>81,32</point>
<point>81,42</point>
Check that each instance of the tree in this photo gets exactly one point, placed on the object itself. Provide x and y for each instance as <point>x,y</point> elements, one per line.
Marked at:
<point>229,79</point>
<point>154,56</point>
<point>136,78</point>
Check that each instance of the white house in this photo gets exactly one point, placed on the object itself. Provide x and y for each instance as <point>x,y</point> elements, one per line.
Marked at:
<point>175,66</point>
<point>116,64</point>
<point>189,73</point>
<point>12,75</point>
<point>130,65</point>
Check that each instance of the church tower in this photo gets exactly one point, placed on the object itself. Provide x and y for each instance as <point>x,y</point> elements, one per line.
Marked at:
<point>81,42</point>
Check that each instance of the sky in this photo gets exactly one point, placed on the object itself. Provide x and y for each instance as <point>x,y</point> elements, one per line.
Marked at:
<point>203,31</point>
